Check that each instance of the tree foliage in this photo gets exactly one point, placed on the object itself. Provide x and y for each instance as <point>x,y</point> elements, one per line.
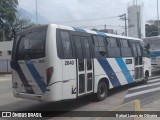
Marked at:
<point>11,18</point>
<point>7,17</point>
<point>22,22</point>
<point>8,11</point>
<point>152,28</point>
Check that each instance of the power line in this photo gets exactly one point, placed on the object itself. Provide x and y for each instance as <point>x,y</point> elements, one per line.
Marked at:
<point>85,20</point>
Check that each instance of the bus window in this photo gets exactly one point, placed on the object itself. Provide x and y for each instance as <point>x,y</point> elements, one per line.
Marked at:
<point>87,48</point>
<point>125,49</point>
<point>66,43</point>
<point>139,50</point>
<point>87,53</point>
<point>99,46</point>
<point>113,49</point>
<point>102,48</point>
<point>32,45</point>
<point>79,53</point>
<point>113,42</point>
<point>14,47</point>
<point>145,52</point>
<point>134,50</point>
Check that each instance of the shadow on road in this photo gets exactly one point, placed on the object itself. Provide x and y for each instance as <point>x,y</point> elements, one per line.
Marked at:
<point>30,105</point>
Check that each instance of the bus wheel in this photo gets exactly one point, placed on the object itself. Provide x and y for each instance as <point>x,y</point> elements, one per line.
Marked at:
<point>102,91</point>
<point>146,78</point>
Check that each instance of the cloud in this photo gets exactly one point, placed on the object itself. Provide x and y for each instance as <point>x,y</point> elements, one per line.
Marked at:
<point>72,10</point>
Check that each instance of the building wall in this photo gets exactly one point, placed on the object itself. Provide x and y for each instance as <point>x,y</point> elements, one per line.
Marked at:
<point>136,21</point>
<point>5,56</point>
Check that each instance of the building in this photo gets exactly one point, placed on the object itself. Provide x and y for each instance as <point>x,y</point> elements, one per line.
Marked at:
<point>107,31</point>
<point>5,56</point>
<point>136,20</point>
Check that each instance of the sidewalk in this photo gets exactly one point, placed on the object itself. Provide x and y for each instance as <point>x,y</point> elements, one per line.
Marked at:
<point>5,77</point>
<point>153,106</point>
<point>123,112</point>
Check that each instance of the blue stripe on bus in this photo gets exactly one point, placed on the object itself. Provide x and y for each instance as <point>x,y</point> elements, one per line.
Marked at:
<point>125,70</point>
<point>37,77</point>
<point>109,71</point>
<point>101,33</point>
<point>154,53</point>
<point>78,29</point>
<point>22,77</point>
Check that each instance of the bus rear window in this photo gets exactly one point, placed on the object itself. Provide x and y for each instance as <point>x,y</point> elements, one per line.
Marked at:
<point>31,45</point>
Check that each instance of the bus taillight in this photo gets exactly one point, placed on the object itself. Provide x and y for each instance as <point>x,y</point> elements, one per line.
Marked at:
<point>49,73</point>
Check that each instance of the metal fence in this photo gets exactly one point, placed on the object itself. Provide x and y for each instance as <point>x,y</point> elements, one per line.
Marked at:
<point>5,66</point>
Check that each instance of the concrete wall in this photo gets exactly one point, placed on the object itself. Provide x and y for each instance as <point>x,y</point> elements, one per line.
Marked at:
<point>5,66</point>
<point>136,21</point>
<point>5,57</point>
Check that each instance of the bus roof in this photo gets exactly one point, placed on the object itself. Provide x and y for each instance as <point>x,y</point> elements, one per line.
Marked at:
<point>76,29</point>
<point>33,29</point>
<point>96,32</point>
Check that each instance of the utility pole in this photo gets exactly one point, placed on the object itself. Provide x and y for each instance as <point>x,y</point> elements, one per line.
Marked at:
<point>105,26</point>
<point>124,17</point>
<point>158,15</point>
<point>36,13</point>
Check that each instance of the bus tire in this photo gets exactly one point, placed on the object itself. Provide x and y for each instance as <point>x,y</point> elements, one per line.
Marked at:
<point>146,78</point>
<point>102,91</point>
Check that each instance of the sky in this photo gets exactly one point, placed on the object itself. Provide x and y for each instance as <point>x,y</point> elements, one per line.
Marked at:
<point>88,13</point>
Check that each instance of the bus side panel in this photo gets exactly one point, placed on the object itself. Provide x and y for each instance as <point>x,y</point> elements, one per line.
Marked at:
<point>115,70</point>
<point>99,74</point>
<point>16,79</point>
<point>55,84</point>
<point>147,65</point>
<point>54,93</point>
<point>129,61</point>
<point>69,79</point>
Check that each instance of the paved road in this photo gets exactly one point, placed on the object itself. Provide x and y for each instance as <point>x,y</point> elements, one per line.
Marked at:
<point>10,103</point>
<point>144,90</point>
<point>115,98</point>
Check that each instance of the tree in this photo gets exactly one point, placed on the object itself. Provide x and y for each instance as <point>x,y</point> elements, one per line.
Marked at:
<point>11,18</point>
<point>152,28</point>
<point>7,17</point>
<point>22,22</point>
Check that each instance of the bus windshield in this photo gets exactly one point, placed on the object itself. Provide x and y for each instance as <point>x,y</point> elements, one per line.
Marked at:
<point>155,45</point>
<point>31,45</point>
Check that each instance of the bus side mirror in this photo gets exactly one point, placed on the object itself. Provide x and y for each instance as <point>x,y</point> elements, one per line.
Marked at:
<point>147,46</point>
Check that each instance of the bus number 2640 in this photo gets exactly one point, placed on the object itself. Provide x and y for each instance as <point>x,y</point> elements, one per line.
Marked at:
<point>70,62</point>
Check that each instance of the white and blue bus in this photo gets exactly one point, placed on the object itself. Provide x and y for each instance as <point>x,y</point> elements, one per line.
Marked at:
<point>154,49</point>
<point>55,63</point>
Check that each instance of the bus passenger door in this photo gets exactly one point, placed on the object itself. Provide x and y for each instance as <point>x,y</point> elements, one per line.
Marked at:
<point>84,65</point>
<point>138,61</point>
